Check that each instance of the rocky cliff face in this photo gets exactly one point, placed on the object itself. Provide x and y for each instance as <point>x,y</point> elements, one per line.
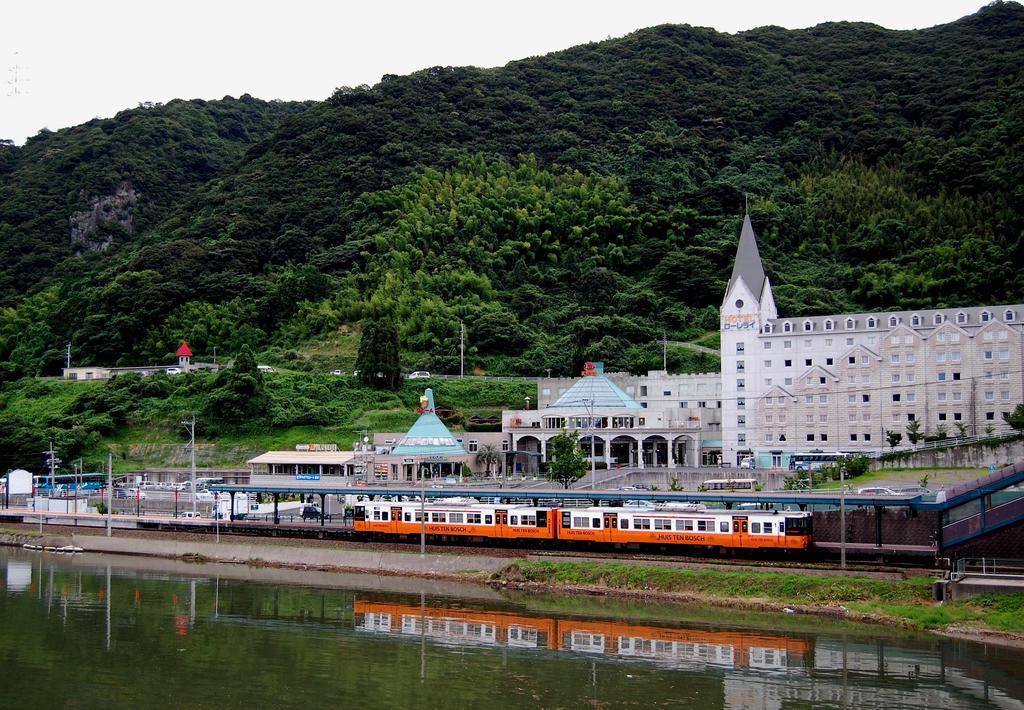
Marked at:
<point>94,229</point>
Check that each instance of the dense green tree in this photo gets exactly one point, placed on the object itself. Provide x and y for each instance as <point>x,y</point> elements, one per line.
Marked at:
<point>566,462</point>
<point>378,358</point>
<point>1015,418</point>
<point>238,393</point>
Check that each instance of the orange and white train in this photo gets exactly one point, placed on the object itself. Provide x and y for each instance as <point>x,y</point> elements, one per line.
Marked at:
<point>692,525</point>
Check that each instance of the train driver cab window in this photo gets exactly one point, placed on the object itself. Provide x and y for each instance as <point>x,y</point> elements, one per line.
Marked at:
<point>755,527</point>
<point>723,526</point>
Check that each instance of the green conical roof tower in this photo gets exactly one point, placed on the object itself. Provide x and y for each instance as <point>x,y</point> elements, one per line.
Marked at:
<point>428,436</point>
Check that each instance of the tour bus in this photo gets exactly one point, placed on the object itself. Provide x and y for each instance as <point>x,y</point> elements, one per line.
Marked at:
<point>729,484</point>
<point>814,460</point>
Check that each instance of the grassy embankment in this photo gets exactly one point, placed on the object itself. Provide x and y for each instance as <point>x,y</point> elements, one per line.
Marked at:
<point>301,408</point>
<point>905,602</point>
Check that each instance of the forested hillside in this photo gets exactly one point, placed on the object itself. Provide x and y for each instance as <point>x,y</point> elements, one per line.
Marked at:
<point>571,206</point>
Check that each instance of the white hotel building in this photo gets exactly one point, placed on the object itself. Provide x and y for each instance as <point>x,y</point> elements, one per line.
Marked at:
<point>839,382</point>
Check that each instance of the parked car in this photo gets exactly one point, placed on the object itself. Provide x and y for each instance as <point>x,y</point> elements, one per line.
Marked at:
<point>264,368</point>
<point>419,375</point>
<point>914,491</point>
<point>876,491</point>
<point>129,493</point>
<point>173,370</point>
<point>310,512</point>
<point>204,495</point>
<point>338,373</point>
<point>190,515</point>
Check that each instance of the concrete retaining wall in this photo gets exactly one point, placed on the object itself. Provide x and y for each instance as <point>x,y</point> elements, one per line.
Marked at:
<point>968,456</point>
<point>282,555</point>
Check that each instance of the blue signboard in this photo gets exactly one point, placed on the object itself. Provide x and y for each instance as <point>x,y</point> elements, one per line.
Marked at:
<point>307,476</point>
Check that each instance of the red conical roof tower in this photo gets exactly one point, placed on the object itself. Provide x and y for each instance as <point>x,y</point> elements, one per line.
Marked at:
<point>184,350</point>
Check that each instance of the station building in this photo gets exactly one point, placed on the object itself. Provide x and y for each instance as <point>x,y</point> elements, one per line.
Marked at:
<point>840,382</point>
<point>655,421</point>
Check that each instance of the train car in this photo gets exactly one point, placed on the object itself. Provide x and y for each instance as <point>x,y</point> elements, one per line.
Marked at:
<point>456,518</point>
<point>686,525</point>
<point>457,626</point>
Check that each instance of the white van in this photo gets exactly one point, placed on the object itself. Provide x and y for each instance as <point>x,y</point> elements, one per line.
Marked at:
<point>748,462</point>
<point>190,515</point>
<point>264,368</point>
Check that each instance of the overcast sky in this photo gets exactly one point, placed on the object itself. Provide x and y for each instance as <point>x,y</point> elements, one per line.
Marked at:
<point>80,59</point>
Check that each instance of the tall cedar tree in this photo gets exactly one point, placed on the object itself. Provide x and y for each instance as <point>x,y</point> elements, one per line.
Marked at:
<point>568,464</point>
<point>377,360</point>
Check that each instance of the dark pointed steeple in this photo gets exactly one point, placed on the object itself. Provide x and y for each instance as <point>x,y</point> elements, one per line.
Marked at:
<point>748,266</point>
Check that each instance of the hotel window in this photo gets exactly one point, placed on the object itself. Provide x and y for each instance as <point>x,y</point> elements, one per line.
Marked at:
<point>989,396</point>
<point>768,438</point>
<point>893,321</point>
<point>1004,355</point>
<point>821,380</point>
<point>957,396</point>
<point>895,377</point>
<point>768,381</point>
<point>909,377</point>
<point>807,362</point>
<point>740,347</point>
<point>942,416</point>
<point>808,399</point>
<point>863,359</point>
<point>915,320</point>
<point>787,327</point>
<point>787,344</point>
<point>941,337</point>
<point>942,396</point>
<point>851,398</point>
<point>1003,335</point>
<point>961,318</point>
<point>828,342</point>
<point>788,381</point>
<point>740,367</point>
<point>957,416</point>
<point>987,355</point>
<point>1004,395</point>
<point>853,437</point>
<point>684,405</point>
<point>940,356</point>
<point>739,384</point>
<point>767,363</point>
<point>829,361</point>
<point>909,358</point>
<point>852,360</point>
<point>895,357</point>
<point>865,398</point>
<point>990,416</point>
<point>823,437</point>
<point>823,398</point>
<point>956,376</point>
<point>867,437</point>
<point>871,322</point>
<point>1008,316</point>
<point>741,438</point>
<point>937,318</point>
<point>767,345</point>
<point>1004,375</point>
<point>849,341</point>
<point>911,416</point>
<point>810,437</point>
<point>807,342</point>
<point>473,446</point>
<point>505,445</point>
<point>911,396</point>
<point>985,316</point>
<point>741,420</point>
<point>823,418</point>
<point>810,418</point>
<point>808,326</point>
<point>942,376</point>
<point>787,363</point>
<point>741,402</point>
<point>896,397</point>
<point>954,356</point>
<point>849,323</point>
<point>829,324</point>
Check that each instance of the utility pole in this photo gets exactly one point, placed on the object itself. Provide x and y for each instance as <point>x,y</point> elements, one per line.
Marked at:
<point>215,356</point>
<point>67,356</point>
<point>190,426</point>
<point>664,352</point>
<point>110,498</point>
<point>842,515</point>
<point>423,513</point>
<point>52,460</point>
<point>462,349</point>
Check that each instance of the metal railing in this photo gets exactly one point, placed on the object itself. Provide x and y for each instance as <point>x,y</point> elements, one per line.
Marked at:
<point>988,567</point>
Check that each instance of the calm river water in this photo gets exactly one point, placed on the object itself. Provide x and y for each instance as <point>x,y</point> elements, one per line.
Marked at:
<point>91,631</point>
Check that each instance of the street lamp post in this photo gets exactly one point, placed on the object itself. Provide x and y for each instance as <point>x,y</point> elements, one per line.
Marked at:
<point>842,516</point>
<point>589,403</point>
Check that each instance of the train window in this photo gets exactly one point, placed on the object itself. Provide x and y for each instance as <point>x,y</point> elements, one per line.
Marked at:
<point>419,516</point>
<point>473,518</point>
<point>624,524</point>
<point>686,525</point>
<point>515,520</point>
<point>579,523</point>
<point>384,516</point>
<point>755,527</point>
<point>529,520</point>
<point>596,523</point>
<point>723,526</point>
<point>408,517</point>
<point>642,523</point>
<point>455,517</point>
<point>662,524</point>
<point>437,517</point>
<point>566,522</point>
<point>767,528</point>
<point>705,526</point>
<point>542,518</point>
<point>488,520</point>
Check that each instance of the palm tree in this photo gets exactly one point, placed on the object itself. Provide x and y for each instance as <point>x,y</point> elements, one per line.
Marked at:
<point>488,455</point>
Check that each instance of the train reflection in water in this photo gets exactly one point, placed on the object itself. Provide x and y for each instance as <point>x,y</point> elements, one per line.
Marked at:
<point>680,648</point>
